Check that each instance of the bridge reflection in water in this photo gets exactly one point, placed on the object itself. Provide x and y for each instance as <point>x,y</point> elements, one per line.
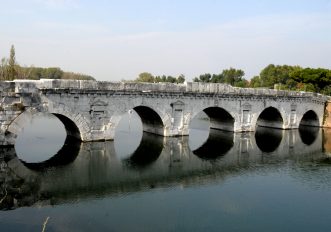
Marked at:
<point>93,169</point>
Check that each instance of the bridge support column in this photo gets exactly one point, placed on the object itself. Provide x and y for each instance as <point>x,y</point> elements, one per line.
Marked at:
<point>7,138</point>
<point>176,131</point>
<point>7,116</point>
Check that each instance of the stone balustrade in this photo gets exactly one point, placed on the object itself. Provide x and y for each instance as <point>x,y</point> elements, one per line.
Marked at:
<point>30,86</point>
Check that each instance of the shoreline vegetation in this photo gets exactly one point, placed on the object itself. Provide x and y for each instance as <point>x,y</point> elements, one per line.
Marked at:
<point>11,70</point>
<point>281,77</point>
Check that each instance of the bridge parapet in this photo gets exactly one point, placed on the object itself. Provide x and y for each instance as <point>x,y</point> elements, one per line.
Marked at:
<point>30,86</point>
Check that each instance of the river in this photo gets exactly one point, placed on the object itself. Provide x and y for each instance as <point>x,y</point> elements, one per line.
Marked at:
<point>268,180</point>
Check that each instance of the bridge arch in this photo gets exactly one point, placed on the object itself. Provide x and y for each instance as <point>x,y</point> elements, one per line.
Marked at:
<point>270,117</point>
<point>309,118</point>
<point>151,119</point>
<point>220,118</point>
<point>70,127</point>
<point>73,124</point>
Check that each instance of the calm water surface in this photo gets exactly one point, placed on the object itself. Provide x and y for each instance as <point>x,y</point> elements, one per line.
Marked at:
<point>271,180</point>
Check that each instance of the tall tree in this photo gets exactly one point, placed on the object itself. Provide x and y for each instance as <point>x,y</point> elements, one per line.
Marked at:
<point>4,69</point>
<point>181,78</point>
<point>12,73</point>
<point>320,78</point>
<point>217,78</point>
<point>23,72</point>
<point>255,82</point>
<point>203,78</point>
<point>148,77</point>
<point>277,74</point>
<point>233,76</point>
<point>52,73</point>
<point>171,79</point>
<point>145,77</point>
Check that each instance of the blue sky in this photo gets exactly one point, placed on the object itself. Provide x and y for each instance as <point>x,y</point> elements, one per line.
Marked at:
<point>114,40</point>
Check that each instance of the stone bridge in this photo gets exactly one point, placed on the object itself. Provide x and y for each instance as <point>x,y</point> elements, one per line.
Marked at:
<point>90,110</point>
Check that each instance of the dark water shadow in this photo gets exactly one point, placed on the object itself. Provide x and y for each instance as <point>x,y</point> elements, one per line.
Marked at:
<point>147,152</point>
<point>268,139</point>
<point>217,145</point>
<point>7,153</point>
<point>67,154</point>
<point>324,161</point>
<point>308,134</point>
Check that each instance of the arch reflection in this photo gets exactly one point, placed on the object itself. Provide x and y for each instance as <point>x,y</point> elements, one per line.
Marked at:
<point>148,151</point>
<point>218,144</point>
<point>98,172</point>
<point>64,156</point>
<point>308,134</point>
<point>268,139</point>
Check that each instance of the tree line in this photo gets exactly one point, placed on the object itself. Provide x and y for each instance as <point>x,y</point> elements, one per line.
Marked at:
<point>283,77</point>
<point>11,70</point>
<point>287,77</point>
<point>232,76</point>
<point>148,77</point>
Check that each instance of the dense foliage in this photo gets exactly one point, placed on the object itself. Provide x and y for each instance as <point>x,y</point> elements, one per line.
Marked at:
<point>294,78</point>
<point>234,77</point>
<point>283,77</point>
<point>10,70</point>
<point>148,77</point>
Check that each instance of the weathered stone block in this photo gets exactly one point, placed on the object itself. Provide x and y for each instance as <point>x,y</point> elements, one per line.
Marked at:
<point>88,84</point>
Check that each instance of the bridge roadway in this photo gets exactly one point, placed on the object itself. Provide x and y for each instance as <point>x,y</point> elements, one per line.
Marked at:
<point>91,111</point>
<point>87,170</point>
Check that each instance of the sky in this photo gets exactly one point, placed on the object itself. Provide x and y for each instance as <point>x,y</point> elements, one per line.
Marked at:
<point>117,40</point>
